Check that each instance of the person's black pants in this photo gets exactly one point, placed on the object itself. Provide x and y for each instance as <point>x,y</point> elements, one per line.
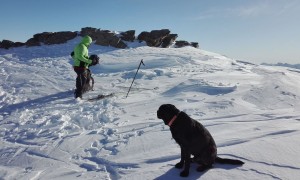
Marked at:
<point>81,80</point>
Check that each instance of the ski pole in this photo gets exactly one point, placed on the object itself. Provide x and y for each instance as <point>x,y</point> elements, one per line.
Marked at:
<point>135,76</point>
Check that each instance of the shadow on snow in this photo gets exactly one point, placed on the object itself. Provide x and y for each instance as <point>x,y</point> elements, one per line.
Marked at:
<point>7,110</point>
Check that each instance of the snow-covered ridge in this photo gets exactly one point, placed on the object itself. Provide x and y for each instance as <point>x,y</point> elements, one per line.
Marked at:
<point>295,66</point>
<point>252,111</point>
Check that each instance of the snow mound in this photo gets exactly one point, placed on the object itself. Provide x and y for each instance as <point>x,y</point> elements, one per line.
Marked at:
<point>252,111</point>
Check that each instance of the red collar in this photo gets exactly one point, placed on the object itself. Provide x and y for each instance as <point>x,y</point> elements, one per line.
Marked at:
<point>172,120</point>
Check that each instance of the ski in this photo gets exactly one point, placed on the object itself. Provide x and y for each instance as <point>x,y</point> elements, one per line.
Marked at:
<point>138,88</point>
<point>100,96</point>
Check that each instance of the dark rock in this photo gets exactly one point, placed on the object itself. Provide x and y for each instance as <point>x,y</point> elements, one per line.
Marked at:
<point>180,44</point>
<point>168,41</point>
<point>102,37</point>
<point>117,42</point>
<point>105,38</point>
<point>50,38</point>
<point>128,35</point>
<point>195,44</point>
<point>42,37</point>
<point>143,36</point>
<point>6,44</point>
<point>60,37</point>
<point>157,34</point>
<point>154,38</point>
<point>32,42</point>
<point>89,31</point>
<point>18,44</point>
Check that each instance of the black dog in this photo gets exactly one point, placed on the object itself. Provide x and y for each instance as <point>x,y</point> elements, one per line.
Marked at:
<point>193,139</point>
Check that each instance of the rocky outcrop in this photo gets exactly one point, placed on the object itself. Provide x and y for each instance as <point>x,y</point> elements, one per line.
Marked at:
<point>60,37</point>
<point>32,42</point>
<point>128,35</point>
<point>195,44</point>
<point>180,44</point>
<point>50,38</point>
<point>169,40</point>
<point>104,37</point>
<point>6,44</point>
<point>155,38</point>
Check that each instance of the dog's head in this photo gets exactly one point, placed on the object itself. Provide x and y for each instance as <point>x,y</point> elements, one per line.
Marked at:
<point>166,112</point>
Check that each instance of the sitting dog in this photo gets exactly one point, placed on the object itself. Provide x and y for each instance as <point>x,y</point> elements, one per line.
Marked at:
<point>193,139</point>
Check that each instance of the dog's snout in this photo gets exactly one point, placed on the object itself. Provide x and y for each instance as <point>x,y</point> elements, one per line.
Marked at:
<point>158,115</point>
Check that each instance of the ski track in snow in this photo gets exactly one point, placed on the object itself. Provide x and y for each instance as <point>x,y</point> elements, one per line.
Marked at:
<point>46,134</point>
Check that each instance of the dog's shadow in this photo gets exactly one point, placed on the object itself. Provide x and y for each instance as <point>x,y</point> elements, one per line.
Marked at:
<point>174,173</point>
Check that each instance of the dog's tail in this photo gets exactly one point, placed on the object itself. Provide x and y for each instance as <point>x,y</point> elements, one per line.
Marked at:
<point>228,161</point>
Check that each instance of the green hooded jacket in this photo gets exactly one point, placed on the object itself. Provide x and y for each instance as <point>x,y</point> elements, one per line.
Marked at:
<point>81,53</point>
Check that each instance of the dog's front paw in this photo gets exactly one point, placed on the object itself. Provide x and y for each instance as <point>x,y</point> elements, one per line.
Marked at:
<point>179,165</point>
<point>184,173</point>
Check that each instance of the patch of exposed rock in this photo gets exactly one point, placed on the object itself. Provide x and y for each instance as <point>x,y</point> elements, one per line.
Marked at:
<point>155,38</point>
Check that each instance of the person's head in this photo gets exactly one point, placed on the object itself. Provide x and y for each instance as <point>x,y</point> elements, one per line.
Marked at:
<point>87,40</point>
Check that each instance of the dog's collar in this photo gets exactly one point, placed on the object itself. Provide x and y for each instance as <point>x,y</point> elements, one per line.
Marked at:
<point>172,120</point>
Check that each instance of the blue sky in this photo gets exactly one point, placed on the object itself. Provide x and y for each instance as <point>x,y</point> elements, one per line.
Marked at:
<point>251,30</point>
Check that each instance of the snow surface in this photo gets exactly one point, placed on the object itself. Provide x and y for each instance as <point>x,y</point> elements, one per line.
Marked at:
<point>252,111</point>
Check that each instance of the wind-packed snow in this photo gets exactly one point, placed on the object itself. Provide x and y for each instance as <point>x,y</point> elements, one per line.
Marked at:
<point>252,111</point>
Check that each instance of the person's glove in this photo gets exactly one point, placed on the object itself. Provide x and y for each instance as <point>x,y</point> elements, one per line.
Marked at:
<point>95,59</point>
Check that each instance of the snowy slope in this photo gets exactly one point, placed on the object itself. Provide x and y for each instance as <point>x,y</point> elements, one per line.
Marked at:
<point>252,111</point>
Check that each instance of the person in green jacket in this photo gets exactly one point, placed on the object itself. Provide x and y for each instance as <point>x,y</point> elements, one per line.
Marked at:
<point>81,64</point>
